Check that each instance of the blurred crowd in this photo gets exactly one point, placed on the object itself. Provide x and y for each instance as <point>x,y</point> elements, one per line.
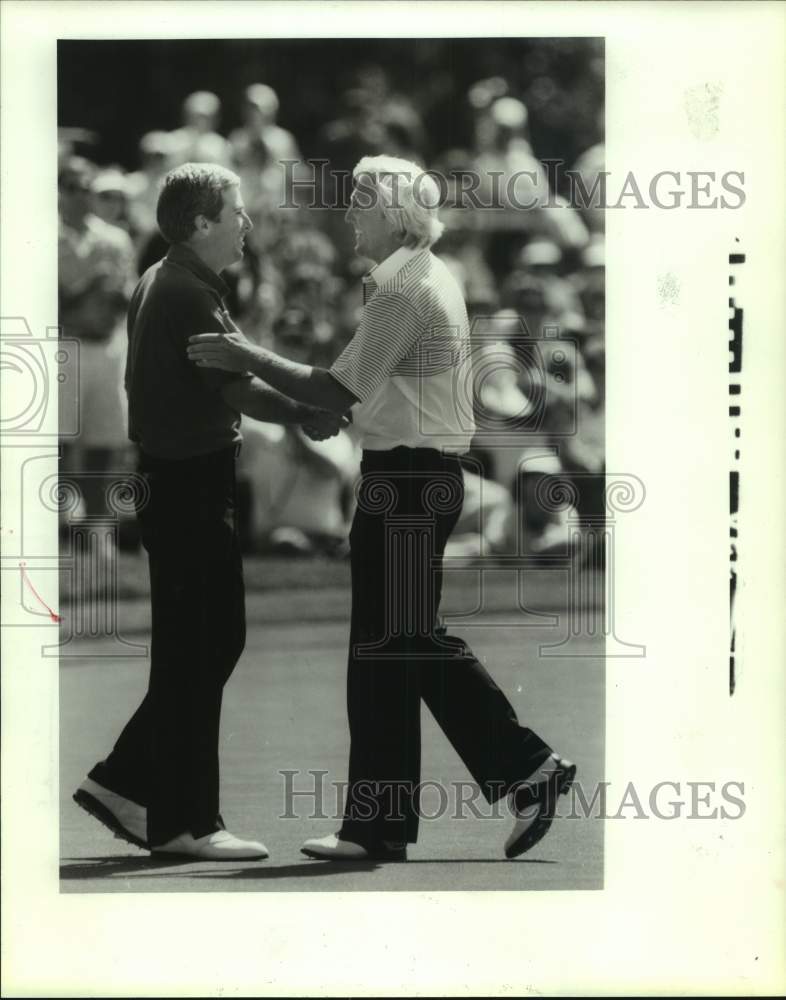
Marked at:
<point>533,281</point>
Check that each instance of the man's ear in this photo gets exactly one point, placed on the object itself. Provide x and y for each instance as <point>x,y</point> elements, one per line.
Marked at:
<point>201,224</point>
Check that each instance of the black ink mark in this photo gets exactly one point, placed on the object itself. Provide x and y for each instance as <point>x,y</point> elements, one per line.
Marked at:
<point>734,492</point>
<point>735,341</point>
<point>735,414</point>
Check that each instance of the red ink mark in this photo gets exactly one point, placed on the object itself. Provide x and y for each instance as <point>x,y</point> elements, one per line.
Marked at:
<point>52,614</point>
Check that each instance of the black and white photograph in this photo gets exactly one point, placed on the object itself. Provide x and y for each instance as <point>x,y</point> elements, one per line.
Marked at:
<point>359,606</point>
<point>365,509</point>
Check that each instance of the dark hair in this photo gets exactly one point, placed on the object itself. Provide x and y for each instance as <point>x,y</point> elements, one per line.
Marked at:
<point>188,191</point>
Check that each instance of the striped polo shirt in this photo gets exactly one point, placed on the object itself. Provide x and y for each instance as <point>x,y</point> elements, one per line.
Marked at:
<point>409,363</point>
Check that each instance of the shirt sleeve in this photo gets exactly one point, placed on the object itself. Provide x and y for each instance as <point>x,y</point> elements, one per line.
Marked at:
<point>389,329</point>
<point>200,313</point>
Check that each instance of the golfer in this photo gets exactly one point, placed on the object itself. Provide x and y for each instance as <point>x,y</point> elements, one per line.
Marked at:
<point>406,375</point>
<point>159,787</point>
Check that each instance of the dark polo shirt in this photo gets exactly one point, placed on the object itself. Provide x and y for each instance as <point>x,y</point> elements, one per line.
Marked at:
<point>175,409</point>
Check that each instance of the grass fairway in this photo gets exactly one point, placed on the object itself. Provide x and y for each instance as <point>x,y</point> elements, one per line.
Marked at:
<point>284,709</point>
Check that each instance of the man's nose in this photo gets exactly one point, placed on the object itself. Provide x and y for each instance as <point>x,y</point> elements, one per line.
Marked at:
<point>248,222</point>
<point>348,215</point>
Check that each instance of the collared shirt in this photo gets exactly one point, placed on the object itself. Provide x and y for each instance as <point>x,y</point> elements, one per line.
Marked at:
<point>175,409</point>
<point>409,363</point>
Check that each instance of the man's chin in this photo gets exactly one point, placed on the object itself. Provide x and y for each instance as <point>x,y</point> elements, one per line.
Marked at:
<point>231,263</point>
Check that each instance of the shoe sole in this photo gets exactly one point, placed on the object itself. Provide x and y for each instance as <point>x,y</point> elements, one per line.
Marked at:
<point>371,856</point>
<point>540,827</point>
<point>99,811</point>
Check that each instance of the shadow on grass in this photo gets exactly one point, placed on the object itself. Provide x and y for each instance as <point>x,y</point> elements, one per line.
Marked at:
<point>315,867</point>
<point>109,867</point>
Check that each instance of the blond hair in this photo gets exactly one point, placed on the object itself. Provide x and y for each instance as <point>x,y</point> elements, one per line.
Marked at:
<point>408,195</point>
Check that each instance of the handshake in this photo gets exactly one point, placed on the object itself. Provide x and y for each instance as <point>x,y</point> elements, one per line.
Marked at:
<point>231,351</point>
<point>320,425</point>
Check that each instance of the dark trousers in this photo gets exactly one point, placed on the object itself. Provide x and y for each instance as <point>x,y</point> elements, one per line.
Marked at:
<point>408,503</point>
<point>166,758</point>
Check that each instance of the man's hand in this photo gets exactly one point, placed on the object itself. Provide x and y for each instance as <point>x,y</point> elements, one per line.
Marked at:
<point>323,424</point>
<point>229,351</point>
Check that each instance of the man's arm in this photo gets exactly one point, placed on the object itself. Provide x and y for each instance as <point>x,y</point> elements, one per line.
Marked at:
<point>305,383</point>
<point>257,400</point>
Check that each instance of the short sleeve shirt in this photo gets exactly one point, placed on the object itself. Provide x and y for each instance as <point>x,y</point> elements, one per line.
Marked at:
<point>409,363</point>
<point>175,409</point>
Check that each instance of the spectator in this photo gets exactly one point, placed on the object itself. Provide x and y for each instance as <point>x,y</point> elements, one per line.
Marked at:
<point>589,283</point>
<point>95,277</point>
<point>260,108</point>
<point>157,153</point>
<point>537,267</point>
<point>589,167</point>
<point>198,141</point>
<point>110,200</point>
<point>522,406</point>
<point>513,181</point>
